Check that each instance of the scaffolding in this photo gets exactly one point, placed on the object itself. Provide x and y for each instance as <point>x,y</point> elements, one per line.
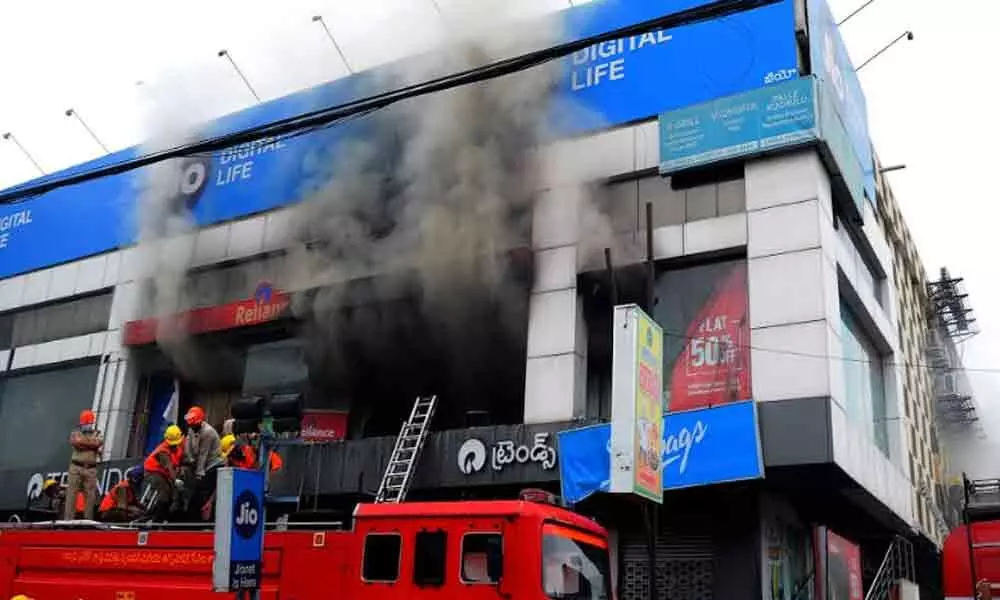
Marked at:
<point>950,323</point>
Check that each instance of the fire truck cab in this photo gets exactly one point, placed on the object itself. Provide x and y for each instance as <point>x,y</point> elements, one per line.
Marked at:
<point>457,550</point>
<point>970,557</point>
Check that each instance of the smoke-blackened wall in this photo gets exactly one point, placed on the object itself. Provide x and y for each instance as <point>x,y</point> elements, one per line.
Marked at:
<point>434,210</point>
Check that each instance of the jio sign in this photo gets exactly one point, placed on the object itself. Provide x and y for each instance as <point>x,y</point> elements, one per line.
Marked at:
<point>239,530</point>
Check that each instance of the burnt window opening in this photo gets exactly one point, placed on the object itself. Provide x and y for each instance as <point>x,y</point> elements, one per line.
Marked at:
<point>388,343</point>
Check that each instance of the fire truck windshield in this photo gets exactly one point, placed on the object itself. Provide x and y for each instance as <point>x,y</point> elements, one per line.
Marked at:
<point>575,564</point>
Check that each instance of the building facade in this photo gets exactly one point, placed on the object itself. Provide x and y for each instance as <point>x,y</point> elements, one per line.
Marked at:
<point>775,278</point>
<point>925,457</point>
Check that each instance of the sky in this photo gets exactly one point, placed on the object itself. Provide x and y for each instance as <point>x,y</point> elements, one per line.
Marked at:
<point>118,62</point>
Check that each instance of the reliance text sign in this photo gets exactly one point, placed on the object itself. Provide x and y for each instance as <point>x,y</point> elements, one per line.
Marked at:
<point>700,447</point>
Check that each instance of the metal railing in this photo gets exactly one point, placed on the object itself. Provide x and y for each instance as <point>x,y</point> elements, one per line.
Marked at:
<point>279,525</point>
<point>898,564</point>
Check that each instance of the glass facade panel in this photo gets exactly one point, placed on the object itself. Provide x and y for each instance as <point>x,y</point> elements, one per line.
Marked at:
<point>37,412</point>
<point>864,381</point>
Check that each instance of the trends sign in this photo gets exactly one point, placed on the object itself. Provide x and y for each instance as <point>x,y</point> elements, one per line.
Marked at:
<point>609,84</point>
<point>700,447</point>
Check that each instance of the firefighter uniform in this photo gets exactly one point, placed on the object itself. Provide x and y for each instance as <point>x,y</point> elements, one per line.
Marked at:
<point>161,469</point>
<point>86,443</point>
<point>203,455</point>
<point>121,503</point>
<point>242,455</point>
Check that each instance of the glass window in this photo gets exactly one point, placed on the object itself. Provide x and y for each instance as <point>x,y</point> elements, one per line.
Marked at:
<point>37,412</point>
<point>275,366</point>
<point>574,564</point>
<point>482,557</point>
<point>62,320</point>
<point>381,557</point>
<point>430,557</point>
<point>864,381</point>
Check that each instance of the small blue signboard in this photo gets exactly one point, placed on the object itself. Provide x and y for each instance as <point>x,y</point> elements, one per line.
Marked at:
<point>700,447</point>
<point>766,119</point>
<point>239,530</point>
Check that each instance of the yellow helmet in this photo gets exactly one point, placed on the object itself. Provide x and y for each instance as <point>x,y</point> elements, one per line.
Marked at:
<point>173,435</point>
<point>20,597</point>
<point>48,484</point>
<point>227,443</point>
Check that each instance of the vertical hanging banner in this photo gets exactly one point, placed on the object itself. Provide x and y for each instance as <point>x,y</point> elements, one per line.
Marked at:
<point>637,404</point>
<point>239,530</point>
<point>713,367</point>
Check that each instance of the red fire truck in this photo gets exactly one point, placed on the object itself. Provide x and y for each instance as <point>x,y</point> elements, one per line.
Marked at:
<point>970,558</point>
<point>461,550</point>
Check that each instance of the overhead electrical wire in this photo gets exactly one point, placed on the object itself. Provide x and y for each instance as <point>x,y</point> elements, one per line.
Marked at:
<point>326,116</point>
<point>822,356</point>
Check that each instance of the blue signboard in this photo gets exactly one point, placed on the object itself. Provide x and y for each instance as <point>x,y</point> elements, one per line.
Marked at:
<point>762,120</point>
<point>604,86</point>
<point>832,65</point>
<point>701,447</point>
<point>239,530</point>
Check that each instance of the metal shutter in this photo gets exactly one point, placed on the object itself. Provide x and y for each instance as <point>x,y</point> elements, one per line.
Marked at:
<point>684,567</point>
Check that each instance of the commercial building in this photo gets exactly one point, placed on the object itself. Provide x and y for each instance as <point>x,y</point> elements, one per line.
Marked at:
<point>773,278</point>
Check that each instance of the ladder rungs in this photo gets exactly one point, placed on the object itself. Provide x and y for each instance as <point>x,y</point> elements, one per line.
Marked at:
<point>406,452</point>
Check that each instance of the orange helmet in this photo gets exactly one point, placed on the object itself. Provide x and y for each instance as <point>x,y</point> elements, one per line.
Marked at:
<point>195,416</point>
<point>87,417</point>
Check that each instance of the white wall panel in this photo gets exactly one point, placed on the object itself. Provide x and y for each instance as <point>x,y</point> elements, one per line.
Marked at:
<point>784,228</point>
<point>36,287</point>
<point>789,361</point>
<point>63,281</point>
<point>11,292</point>
<point>720,233</point>
<point>787,288</point>
<point>552,323</point>
<point>555,269</point>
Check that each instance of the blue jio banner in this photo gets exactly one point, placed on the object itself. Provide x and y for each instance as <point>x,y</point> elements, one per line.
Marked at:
<point>700,447</point>
<point>762,120</point>
<point>239,531</point>
<point>607,85</point>
<point>832,64</point>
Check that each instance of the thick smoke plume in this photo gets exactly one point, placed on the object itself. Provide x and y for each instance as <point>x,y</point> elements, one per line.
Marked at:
<point>433,212</point>
<point>413,263</point>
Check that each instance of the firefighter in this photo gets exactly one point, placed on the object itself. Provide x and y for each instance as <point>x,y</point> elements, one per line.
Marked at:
<point>86,442</point>
<point>203,457</point>
<point>49,502</point>
<point>121,503</point>
<point>161,470</point>
<point>241,455</point>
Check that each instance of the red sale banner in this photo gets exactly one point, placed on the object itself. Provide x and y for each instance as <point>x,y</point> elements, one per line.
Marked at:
<point>714,366</point>
<point>843,569</point>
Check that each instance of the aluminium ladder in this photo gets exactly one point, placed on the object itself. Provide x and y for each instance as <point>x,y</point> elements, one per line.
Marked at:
<point>405,454</point>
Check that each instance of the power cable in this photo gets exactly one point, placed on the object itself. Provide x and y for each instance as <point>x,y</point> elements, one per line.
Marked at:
<point>706,12</point>
<point>927,367</point>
